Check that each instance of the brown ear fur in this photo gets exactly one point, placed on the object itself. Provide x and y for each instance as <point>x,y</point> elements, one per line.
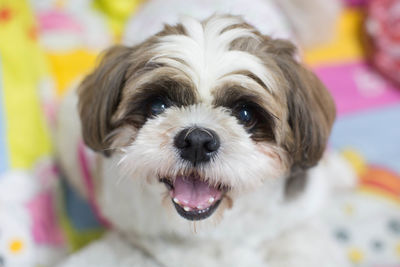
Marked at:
<point>311,108</point>
<point>99,95</point>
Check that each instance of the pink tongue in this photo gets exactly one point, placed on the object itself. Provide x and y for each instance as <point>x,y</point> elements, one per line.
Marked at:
<point>193,193</point>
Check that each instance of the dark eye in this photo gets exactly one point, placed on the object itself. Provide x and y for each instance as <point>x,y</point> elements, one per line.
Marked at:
<point>157,106</point>
<point>246,115</point>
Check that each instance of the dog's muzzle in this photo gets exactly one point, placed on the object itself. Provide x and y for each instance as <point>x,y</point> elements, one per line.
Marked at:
<point>193,196</point>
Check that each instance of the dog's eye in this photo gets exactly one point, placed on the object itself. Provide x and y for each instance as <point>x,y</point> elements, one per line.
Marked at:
<point>246,115</point>
<point>157,106</point>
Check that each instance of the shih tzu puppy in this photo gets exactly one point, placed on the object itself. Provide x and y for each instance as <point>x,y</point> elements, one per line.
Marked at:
<point>204,144</point>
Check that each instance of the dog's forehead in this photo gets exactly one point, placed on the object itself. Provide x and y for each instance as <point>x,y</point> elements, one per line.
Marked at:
<point>203,52</point>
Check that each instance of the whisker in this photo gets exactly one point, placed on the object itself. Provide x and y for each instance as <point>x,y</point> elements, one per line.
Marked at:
<point>122,160</point>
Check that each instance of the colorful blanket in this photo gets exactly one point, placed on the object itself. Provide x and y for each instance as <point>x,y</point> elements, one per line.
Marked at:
<point>44,218</point>
<point>366,223</point>
<point>45,45</point>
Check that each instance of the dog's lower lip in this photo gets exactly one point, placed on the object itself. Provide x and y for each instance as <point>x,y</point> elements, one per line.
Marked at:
<point>196,214</point>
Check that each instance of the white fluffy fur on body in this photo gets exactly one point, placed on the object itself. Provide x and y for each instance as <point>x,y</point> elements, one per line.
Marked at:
<point>207,74</point>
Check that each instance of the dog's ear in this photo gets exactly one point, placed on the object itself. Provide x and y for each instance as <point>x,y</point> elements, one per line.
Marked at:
<point>310,106</point>
<point>99,96</point>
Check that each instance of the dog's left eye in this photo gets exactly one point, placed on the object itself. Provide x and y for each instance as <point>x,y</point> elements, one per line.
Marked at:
<point>157,106</point>
<point>246,115</point>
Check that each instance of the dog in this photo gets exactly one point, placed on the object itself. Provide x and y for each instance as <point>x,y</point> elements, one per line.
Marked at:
<point>205,143</point>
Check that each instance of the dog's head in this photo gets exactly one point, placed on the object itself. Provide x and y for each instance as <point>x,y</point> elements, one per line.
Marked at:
<point>210,109</point>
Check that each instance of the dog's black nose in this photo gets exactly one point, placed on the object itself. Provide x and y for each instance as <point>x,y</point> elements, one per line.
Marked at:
<point>197,145</point>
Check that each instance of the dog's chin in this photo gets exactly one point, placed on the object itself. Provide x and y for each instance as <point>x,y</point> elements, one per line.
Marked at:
<point>193,197</point>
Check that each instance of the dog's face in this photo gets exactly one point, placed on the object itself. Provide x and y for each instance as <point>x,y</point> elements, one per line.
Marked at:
<point>211,109</point>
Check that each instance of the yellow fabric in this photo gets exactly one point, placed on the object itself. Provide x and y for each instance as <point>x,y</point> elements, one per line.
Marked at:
<point>346,46</point>
<point>356,160</point>
<point>355,255</point>
<point>16,246</point>
<point>68,66</point>
<point>117,12</point>
<point>23,68</point>
<point>380,192</point>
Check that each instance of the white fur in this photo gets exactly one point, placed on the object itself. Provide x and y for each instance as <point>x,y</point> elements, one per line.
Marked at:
<point>204,55</point>
<point>112,250</point>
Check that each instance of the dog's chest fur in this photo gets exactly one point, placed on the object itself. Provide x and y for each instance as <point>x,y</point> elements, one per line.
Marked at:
<point>254,223</point>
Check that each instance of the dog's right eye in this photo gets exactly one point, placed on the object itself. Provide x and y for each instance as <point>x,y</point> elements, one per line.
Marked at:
<point>157,106</point>
<point>246,115</point>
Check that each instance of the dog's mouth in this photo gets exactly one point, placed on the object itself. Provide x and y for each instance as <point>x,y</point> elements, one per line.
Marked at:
<point>194,199</point>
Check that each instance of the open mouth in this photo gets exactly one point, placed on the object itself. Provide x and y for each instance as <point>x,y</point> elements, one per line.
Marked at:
<point>193,198</point>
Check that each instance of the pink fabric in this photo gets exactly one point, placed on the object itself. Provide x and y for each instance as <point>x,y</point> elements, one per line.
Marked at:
<point>57,20</point>
<point>45,229</point>
<point>47,174</point>
<point>356,87</point>
<point>88,180</point>
<point>355,2</point>
<point>383,27</point>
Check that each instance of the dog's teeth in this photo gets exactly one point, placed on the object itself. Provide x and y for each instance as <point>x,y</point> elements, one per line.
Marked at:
<point>211,200</point>
<point>199,207</point>
<point>176,200</point>
<point>187,208</point>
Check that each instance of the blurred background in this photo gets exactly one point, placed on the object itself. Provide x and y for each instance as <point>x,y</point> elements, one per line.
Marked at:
<point>47,45</point>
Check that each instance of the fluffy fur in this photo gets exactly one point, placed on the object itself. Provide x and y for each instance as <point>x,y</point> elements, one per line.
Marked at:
<point>272,186</point>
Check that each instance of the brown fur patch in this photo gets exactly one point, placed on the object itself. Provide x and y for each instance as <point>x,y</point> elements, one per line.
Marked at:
<point>311,112</point>
<point>135,109</point>
<point>234,96</point>
<point>100,94</point>
<point>310,108</point>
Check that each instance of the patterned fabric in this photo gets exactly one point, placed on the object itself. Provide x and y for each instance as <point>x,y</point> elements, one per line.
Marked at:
<point>23,73</point>
<point>364,222</point>
<point>29,231</point>
<point>383,27</point>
